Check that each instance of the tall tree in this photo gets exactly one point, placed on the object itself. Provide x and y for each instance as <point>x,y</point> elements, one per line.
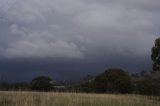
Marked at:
<point>156,55</point>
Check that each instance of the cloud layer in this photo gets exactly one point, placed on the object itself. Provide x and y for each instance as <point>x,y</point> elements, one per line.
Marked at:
<point>67,39</point>
<point>81,29</point>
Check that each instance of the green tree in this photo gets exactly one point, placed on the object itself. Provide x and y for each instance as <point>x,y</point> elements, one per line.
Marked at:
<point>156,55</point>
<point>42,83</point>
<point>113,80</point>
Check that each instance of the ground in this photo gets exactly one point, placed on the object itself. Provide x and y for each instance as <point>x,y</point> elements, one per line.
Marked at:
<point>74,99</point>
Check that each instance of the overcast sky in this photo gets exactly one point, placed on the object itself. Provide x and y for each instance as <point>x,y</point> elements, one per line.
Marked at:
<point>92,34</point>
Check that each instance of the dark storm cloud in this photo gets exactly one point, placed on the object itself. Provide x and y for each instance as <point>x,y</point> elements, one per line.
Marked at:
<point>106,32</point>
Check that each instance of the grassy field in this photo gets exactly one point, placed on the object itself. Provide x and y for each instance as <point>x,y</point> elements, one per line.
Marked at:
<point>73,99</point>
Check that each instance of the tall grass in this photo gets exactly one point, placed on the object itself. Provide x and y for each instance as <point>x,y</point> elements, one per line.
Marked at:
<point>74,99</point>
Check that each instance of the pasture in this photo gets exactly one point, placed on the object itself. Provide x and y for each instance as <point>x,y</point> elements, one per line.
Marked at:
<point>74,99</point>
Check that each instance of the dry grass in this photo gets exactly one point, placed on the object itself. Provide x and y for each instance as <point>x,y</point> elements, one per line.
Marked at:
<point>74,99</point>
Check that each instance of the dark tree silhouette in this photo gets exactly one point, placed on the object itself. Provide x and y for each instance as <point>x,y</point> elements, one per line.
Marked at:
<point>42,83</point>
<point>149,86</point>
<point>113,80</point>
<point>156,55</point>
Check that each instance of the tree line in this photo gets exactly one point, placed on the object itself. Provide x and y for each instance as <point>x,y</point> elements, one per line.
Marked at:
<point>110,81</point>
<point>119,81</point>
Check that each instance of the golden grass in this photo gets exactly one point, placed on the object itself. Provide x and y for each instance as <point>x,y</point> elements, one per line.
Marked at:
<point>74,99</point>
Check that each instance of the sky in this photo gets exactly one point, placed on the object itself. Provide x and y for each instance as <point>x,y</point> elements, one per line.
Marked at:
<point>68,39</point>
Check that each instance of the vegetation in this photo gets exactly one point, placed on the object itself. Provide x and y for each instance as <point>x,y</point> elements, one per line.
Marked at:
<point>118,81</point>
<point>148,85</point>
<point>5,86</point>
<point>156,55</point>
<point>42,83</point>
<point>111,81</point>
<point>74,99</point>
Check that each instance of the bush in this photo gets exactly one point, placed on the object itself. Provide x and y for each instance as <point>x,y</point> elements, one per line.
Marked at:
<point>148,86</point>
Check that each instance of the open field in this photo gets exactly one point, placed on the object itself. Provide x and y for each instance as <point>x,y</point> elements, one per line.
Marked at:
<point>73,99</point>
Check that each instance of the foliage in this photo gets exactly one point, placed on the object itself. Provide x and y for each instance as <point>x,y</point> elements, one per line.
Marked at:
<point>112,80</point>
<point>21,86</point>
<point>42,83</point>
<point>156,55</point>
<point>4,86</point>
<point>148,86</point>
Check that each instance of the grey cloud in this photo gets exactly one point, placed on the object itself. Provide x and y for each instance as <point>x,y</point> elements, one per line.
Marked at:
<point>40,44</point>
<point>66,38</point>
<point>87,29</point>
